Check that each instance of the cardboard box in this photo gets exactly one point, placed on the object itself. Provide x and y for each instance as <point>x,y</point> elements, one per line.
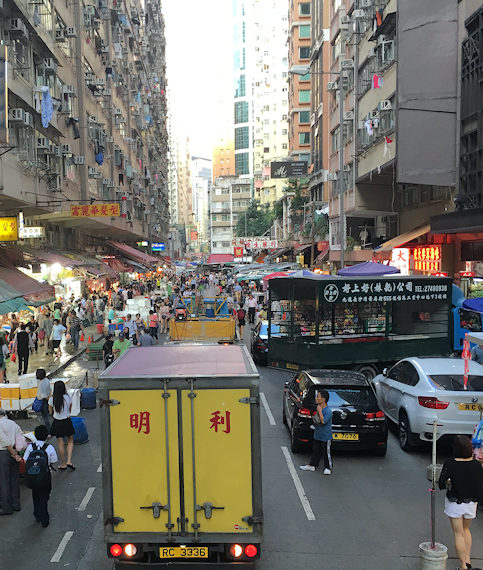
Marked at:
<point>28,392</point>
<point>10,405</point>
<point>28,381</point>
<point>9,392</point>
<point>26,403</point>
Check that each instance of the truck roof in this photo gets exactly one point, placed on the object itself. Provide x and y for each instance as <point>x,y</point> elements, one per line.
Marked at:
<point>182,360</point>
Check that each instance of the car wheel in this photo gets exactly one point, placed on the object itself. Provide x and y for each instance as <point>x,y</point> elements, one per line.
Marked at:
<point>295,445</point>
<point>369,371</point>
<point>407,439</point>
<point>380,451</point>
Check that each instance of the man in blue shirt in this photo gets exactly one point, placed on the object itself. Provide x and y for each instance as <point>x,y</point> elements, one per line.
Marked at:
<point>322,435</point>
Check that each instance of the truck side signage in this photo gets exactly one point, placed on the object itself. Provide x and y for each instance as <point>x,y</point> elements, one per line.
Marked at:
<point>140,422</point>
<point>217,419</point>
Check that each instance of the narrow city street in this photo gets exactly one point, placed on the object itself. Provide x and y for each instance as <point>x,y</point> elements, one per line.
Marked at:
<point>371,513</point>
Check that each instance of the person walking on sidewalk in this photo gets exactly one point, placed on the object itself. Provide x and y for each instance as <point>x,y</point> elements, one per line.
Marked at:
<point>322,435</point>
<point>22,346</point>
<point>252,305</point>
<point>47,325</point>
<point>60,405</point>
<point>462,477</point>
<point>74,329</point>
<point>43,394</point>
<point>57,331</point>
<point>41,494</point>
<point>9,460</point>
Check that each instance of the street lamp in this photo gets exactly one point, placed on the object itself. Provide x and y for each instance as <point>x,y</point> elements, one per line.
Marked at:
<point>304,70</point>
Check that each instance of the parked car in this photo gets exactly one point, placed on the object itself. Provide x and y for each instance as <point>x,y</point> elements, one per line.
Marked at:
<point>416,391</point>
<point>259,341</point>
<point>357,421</point>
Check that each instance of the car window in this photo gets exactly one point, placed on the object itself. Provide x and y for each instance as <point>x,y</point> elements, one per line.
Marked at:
<point>295,386</point>
<point>360,397</point>
<point>470,320</point>
<point>303,386</point>
<point>393,373</point>
<point>455,382</point>
<point>405,373</point>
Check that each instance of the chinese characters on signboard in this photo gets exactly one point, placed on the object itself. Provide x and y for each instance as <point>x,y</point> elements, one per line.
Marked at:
<point>140,422</point>
<point>384,291</point>
<point>219,420</point>
<point>95,210</point>
<point>400,257</point>
<point>427,258</point>
<point>193,235</point>
<point>31,232</point>
<point>238,251</point>
<point>8,229</point>
<point>255,243</point>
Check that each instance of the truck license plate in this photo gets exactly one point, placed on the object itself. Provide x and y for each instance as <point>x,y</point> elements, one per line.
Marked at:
<point>183,552</point>
<point>470,407</point>
<point>346,436</point>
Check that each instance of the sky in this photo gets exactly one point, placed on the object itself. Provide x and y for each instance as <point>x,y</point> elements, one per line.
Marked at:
<point>200,70</point>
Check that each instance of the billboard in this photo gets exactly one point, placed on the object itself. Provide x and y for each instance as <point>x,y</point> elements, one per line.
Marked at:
<point>293,169</point>
<point>193,235</point>
<point>158,246</point>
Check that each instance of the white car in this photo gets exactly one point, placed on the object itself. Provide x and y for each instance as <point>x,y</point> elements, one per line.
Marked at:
<point>416,391</point>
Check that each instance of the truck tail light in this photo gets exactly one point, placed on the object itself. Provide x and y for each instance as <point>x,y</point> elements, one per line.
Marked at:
<point>433,403</point>
<point>116,550</point>
<point>373,416</point>
<point>236,550</point>
<point>130,550</point>
<point>251,550</point>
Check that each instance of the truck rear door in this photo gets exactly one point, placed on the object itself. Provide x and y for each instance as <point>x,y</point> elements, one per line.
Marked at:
<point>144,456</point>
<point>217,444</point>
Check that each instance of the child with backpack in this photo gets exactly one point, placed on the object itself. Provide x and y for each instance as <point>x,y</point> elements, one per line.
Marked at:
<point>38,458</point>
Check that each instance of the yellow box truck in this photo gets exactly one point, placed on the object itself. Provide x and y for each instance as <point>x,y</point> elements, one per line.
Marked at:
<point>181,457</point>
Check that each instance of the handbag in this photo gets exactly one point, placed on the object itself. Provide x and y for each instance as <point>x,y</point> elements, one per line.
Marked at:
<point>20,441</point>
<point>37,405</point>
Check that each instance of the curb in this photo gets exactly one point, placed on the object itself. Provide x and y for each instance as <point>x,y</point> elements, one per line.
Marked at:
<point>68,362</point>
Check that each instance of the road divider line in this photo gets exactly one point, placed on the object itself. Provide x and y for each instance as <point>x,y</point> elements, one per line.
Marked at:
<point>86,499</point>
<point>298,484</point>
<point>99,469</point>
<point>267,409</point>
<point>63,543</point>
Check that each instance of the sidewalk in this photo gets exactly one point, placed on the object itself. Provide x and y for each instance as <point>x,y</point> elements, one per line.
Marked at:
<point>50,363</point>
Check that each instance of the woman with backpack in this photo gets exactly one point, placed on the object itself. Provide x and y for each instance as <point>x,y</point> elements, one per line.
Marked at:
<point>240,318</point>
<point>60,405</point>
<point>38,458</point>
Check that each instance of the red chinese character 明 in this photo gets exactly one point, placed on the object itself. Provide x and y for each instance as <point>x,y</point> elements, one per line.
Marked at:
<point>140,421</point>
<point>217,419</point>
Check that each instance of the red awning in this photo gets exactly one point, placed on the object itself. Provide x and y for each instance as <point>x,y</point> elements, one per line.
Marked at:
<point>119,266</point>
<point>220,258</point>
<point>133,253</point>
<point>32,291</point>
<point>322,255</point>
<point>110,272</point>
<point>52,257</point>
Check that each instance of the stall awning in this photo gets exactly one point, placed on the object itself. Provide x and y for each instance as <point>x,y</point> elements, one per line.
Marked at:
<point>404,238</point>
<point>34,293</point>
<point>220,258</point>
<point>51,257</point>
<point>119,266</point>
<point>322,255</point>
<point>139,266</point>
<point>110,273</point>
<point>133,253</point>
<point>91,271</point>
<point>301,248</point>
<point>278,253</point>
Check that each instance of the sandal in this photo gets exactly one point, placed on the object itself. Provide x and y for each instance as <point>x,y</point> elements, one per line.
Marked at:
<point>70,466</point>
<point>62,468</point>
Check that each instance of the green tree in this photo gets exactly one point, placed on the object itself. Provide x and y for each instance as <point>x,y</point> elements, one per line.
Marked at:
<point>259,218</point>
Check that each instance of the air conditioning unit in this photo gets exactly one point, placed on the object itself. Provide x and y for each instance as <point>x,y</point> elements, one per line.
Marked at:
<point>92,119</point>
<point>374,114</point>
<point>349,116</point>
<point>79,159</point>
<point>332,86</point>
<point>100,81</point>
<point>384,105</point>
<point>16,27</point>
<point>29,120</point>
<point>96,24</point>
<point>107,92</point>
<point>60,35</point>
<point>345,19</point>
<point>43,145</point>
<point>105,181</point>
<point>66,149</point>
<point>362,124</point>
<point>347,167</point>
<point>69,90</point>
<point>359,14</point>
<point>111,183</point>
<point>50,67</point>
<point>372,53</point>
<point>92,172</point>
<point>90,78</point>
<point>347,64</point>
<point>16,115</point>
<point>70,32</point>
<point>331,176</point>
<point>366,3</point>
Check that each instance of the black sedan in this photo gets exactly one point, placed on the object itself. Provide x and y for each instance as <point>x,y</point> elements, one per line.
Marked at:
<point>259,341</point>
<point>357,421</point>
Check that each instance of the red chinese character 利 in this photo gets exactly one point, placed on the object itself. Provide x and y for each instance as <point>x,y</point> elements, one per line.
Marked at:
<point>217,419</point>
<point>140,422</point>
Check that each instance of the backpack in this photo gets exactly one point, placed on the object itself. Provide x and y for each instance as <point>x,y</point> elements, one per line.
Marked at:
<point>37,470</point>
<point>241,314</point>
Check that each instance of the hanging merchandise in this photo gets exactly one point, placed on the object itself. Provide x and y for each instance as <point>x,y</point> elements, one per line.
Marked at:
<point>387,142</point>
<point>379,17</point>
<point>47,109</point>
<point>377,81</point>
<point>369,127</point>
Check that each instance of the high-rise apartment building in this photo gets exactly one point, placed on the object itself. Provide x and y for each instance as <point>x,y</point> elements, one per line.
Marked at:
<point>299,86</point>
<point>224,158</point>
<point>201,176</point>
<point>87,114</point>
<point>185,195</point>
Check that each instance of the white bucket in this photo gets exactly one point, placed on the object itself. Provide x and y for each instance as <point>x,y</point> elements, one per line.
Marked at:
<point>433,558</point>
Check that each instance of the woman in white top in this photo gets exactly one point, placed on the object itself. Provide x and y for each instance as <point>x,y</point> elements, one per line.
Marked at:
<point>60,405</point>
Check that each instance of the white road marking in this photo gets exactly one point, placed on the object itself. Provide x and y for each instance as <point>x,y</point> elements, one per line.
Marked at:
<point>99,469</point>
<point>298,485</point>
<point>270,417</point>
<point>63,543</point>
<point>86,499</point>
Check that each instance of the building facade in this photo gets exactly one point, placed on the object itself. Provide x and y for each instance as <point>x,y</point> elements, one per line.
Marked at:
<point>224,158</point>
<point>201,176</point>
